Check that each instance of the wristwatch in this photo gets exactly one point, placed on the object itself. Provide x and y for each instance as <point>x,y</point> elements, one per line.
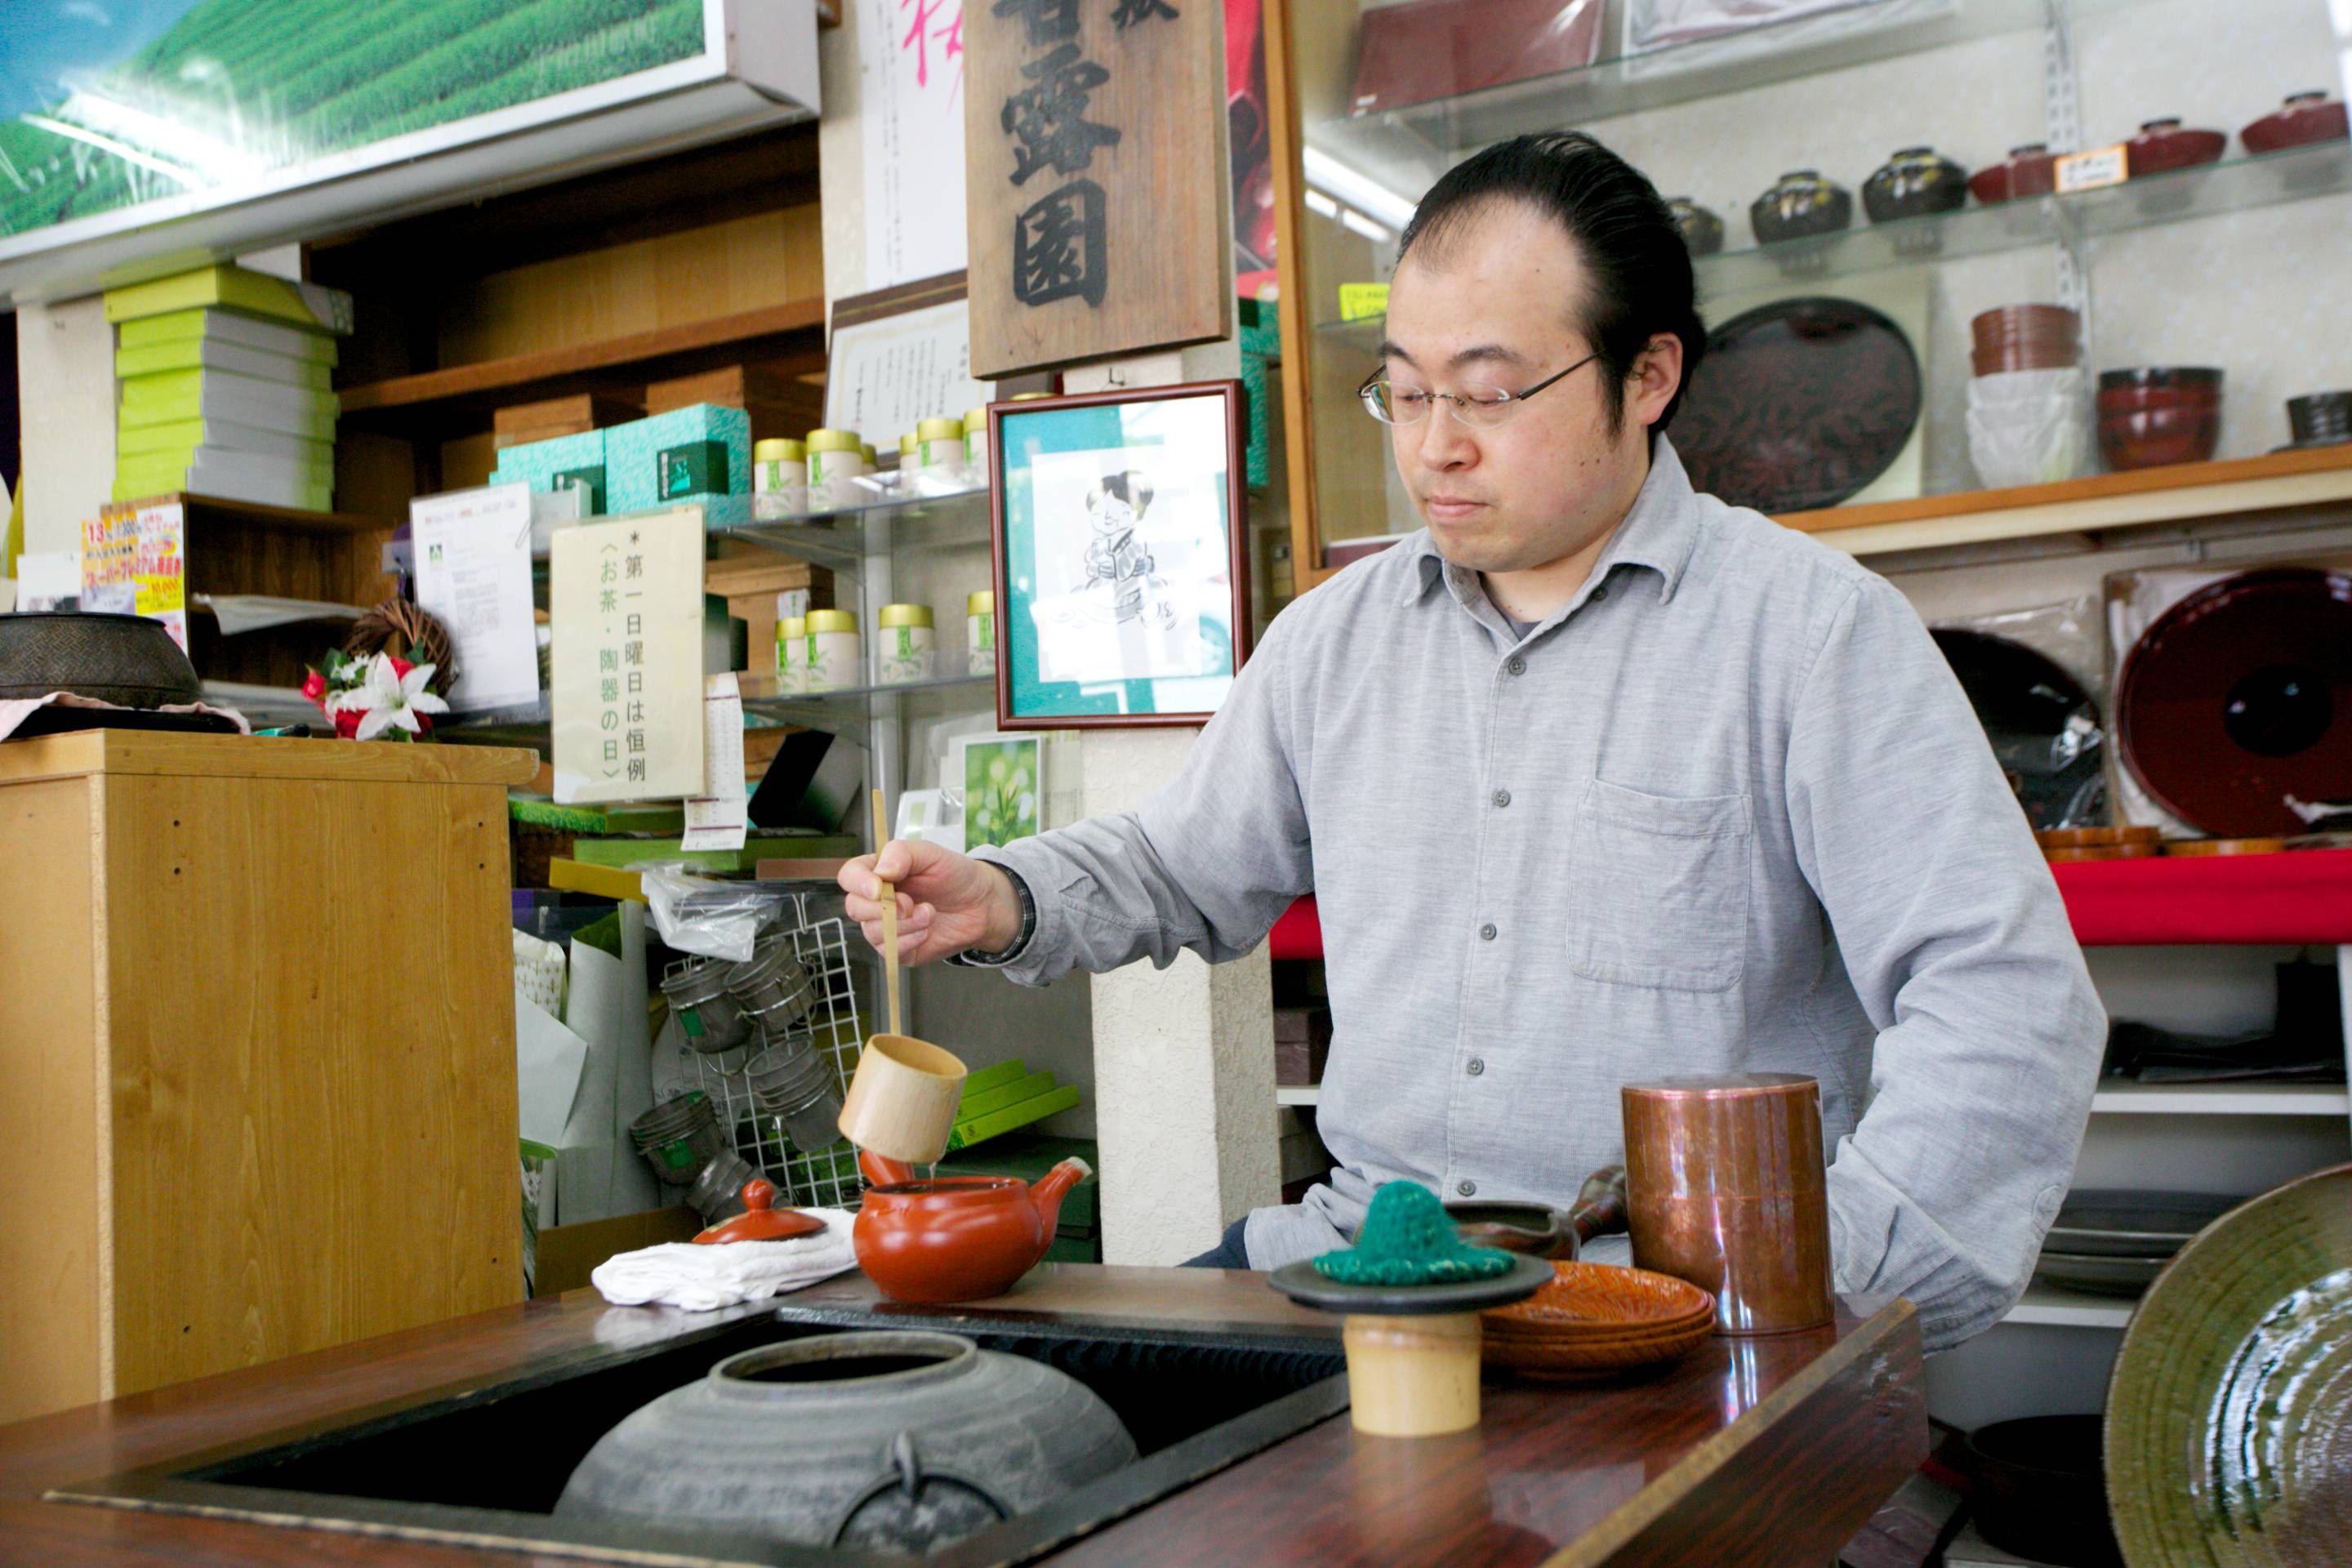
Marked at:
<point>973,958</point>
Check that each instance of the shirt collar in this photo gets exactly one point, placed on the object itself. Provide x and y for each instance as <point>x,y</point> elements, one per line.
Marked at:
<point>1659,532</point>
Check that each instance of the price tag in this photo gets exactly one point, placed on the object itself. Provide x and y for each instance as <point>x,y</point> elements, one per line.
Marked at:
<point>2089,171</point>
<point>1362,302</point>
<point>719,817</point>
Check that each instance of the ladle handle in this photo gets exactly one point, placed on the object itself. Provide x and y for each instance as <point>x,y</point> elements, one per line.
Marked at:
<point>1600,1207</point>
<point>890,919</point>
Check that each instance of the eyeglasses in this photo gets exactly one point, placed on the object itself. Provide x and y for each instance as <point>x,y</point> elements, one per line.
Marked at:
<point>1479,405</point>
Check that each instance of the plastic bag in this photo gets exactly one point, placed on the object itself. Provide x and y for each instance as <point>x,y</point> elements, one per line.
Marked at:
<point>2026,426</point>
<point>716,920</point>
<point>2030,675</point>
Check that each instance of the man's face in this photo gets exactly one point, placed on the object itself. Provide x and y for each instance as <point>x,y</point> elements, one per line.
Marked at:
<point>1497,304</point>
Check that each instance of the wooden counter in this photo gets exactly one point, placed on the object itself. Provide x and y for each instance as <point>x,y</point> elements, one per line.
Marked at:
<point>1760,1452</point>
<point>256,1052</point>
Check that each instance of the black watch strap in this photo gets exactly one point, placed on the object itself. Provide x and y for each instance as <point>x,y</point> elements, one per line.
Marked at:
<point>973,958</point>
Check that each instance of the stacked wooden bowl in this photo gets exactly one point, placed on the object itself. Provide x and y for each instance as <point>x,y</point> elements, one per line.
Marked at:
<point>2060,843</point>
<point>1596,1321</point>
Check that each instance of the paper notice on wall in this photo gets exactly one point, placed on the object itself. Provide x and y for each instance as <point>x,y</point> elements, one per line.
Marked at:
<point>134,562</point>
<point>473,575</point>
<point>891,373</point>
<point>720,817</point>
<point>625,598</point>
<point>910,111</point>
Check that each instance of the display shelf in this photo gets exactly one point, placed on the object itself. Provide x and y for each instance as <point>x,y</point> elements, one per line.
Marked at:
<point>533,716</point>
<point>2055,1308</point>
<point>2237,184</point>
<point>1298,1094</point>
<point>2234,487</point>
<point>820,706</point>
<point>917,512</point>
<point>2128,1098</point>
<point>434,400</point>
<point>2295,899</point>
<point>1435,134</point>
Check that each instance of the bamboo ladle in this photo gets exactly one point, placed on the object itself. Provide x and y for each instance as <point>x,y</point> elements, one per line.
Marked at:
<point>890,918</point>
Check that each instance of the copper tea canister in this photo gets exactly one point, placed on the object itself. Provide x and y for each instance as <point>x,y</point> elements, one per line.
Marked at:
<point>1728,1188</point>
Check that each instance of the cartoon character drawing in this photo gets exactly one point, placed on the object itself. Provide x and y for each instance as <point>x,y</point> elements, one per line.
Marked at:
<point>1116,558</point>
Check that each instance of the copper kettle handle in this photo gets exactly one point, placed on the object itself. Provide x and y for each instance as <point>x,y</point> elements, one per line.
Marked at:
<point>1600,1207</point>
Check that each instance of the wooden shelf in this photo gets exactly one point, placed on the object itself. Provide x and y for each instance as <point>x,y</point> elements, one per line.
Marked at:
<point>2315,1100</point>
<point>289,519</point>
<point>2052,1307</point>
<point>2319,475</point>
<point>2316,477</point>
<point>462,393</point>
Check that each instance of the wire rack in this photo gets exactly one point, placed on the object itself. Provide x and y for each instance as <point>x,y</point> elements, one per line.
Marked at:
<point>808,1178</point>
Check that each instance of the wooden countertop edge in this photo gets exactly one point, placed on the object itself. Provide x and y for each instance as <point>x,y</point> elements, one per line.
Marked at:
<point>1661,1494</point>
<point>134,752</point>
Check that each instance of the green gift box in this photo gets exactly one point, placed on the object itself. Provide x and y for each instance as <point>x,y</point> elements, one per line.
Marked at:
<point>668,458</point>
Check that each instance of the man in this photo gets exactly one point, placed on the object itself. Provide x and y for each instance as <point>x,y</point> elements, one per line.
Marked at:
<point>1595,780</point>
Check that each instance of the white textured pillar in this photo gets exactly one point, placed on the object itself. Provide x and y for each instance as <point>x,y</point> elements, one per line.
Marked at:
<point>65,378</point>
<point>1183,1062</point>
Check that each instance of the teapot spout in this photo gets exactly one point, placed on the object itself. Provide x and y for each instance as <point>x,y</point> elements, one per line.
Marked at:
<point>1049,1189</point>
<point>881,1171</point>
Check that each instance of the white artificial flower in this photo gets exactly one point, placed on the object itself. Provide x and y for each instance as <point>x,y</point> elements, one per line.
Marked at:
<point>388,699</point>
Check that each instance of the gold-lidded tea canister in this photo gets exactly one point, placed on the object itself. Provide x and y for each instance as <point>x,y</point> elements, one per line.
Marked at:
<point>1728,1188</point>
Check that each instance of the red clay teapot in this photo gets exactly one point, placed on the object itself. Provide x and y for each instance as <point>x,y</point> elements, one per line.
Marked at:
<point>954,1238</point>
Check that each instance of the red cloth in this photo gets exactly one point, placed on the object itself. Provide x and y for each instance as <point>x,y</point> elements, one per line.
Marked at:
<point>2301,896</point>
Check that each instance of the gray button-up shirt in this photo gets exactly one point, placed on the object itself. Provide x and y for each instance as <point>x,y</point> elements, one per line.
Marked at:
<point>1726,810</point>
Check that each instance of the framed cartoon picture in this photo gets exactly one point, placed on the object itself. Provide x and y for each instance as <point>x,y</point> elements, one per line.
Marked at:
<point>1121,564</point>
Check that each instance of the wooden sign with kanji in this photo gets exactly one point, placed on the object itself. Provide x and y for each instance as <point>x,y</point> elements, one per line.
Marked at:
<point>1096,186</point>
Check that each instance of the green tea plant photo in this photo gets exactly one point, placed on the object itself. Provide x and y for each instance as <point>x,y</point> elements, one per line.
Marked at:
<point>1000,791</point>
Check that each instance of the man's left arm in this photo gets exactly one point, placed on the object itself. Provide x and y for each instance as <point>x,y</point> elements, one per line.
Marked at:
<point>1951,929</point>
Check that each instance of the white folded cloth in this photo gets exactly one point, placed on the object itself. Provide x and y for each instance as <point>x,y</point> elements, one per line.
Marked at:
<point>703,1279</point>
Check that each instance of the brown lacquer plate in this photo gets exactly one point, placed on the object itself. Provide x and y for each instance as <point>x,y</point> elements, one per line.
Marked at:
<point>2241,696</point>
<point>1798,404</point>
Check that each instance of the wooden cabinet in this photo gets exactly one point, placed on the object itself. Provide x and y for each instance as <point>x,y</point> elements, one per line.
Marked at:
<point>256,1052</point>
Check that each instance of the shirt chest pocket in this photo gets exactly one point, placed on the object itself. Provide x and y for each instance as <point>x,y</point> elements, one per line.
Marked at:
<point>1658,888</point>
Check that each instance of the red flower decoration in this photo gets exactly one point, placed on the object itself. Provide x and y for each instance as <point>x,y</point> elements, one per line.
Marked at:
<point>314,687</point>
<point>401,667</point>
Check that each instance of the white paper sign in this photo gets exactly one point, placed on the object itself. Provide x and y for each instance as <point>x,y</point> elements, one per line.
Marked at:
<point>47,578</point>
<point>719,817</point>
<point>886,376</point>
<point>473,575</point>
<point>626,599</point>
<point>910,111</point>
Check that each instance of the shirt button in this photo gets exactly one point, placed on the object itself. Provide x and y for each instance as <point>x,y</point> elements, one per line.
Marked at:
<point>1516,665</point>
<point>1487,931</point>
<point>1474,1066</point>
<point>1599,594</point>
<point>1502,797</point>
<point>1467,1189</point>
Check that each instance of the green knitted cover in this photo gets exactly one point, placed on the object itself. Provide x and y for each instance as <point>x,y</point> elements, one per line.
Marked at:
<point>1407,1239</point>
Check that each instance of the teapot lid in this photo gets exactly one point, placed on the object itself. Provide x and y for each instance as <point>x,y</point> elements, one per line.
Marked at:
<point>762,1221</point>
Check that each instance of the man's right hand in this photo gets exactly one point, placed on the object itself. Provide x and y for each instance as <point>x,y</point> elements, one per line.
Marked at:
<point>947,903</point>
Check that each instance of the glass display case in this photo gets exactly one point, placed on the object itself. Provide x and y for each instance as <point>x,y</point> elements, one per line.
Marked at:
<point>1938,123</point>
